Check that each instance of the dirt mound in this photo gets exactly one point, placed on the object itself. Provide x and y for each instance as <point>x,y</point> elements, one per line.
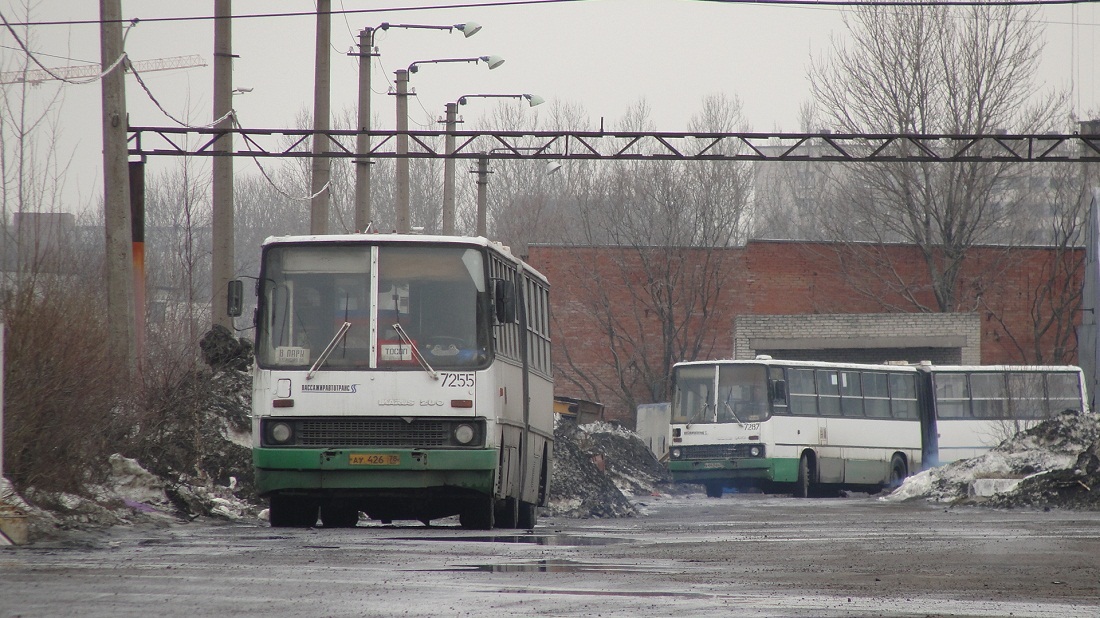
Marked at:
<point>597,467</point>
<point>1055,464</point>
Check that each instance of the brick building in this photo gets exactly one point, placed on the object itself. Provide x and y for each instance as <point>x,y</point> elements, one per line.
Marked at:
<point>619,312</point>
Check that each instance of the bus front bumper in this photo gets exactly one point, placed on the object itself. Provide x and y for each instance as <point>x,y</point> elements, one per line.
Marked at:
<point>313,470</point>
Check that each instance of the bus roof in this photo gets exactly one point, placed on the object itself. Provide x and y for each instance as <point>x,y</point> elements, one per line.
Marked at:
<point>924,366</point>
<point>411,239</point>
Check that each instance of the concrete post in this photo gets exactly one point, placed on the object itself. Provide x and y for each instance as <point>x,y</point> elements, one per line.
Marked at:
<point>322,165</point>
<point>402,162</point>
<point>482,195</point>
<point>116,191</point>
<point>362,141</point>
<point>221,187</point>
<point>450,123</point>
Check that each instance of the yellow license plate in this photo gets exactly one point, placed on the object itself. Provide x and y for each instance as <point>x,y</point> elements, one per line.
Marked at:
<point>373,459</point>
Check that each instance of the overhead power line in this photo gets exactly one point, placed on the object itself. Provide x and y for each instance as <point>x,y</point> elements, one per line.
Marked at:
<point>437,7</point>
<point>506,3</point>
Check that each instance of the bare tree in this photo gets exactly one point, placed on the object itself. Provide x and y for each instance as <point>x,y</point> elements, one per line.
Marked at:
<point>920,69</point>
<point>652,264</point>
<point>1053,294</point>
<point>61,393</point>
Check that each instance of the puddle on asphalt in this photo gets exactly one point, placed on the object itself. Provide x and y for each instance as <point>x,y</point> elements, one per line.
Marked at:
<point>548,566</point>
<point>534,539</point>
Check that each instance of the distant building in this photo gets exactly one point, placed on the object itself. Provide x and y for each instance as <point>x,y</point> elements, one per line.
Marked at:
<point>40,242</point>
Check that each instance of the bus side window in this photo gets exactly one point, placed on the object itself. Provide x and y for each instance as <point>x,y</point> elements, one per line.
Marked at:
<point>777,394</point>
<point>800,388</point>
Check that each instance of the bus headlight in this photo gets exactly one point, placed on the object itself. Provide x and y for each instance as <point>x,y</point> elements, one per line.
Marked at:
<point>281,433</point>
<point>676,453</point>
<point>464,434</point>
<point>756,451</point>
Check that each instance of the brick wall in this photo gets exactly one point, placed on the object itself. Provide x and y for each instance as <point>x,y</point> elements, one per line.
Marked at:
<point>794,281</point>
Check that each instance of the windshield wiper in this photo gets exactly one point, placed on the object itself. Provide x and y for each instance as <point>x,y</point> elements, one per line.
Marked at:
<point>416,351</point>
<point>328,349</point>
<point>732,413</point>
<point>701,412</point>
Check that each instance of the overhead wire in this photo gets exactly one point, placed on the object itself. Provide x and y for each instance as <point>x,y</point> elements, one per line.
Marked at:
<point>437,7</point>
<point>271,181</point>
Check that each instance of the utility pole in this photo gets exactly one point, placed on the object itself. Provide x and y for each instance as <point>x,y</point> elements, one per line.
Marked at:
<point>116,191</point>
<point>362,141</point>
<point>322,165</point>
<point>222,180</point>
<point>482,195</point>
<point>450,123</point>
<point>402,163</point>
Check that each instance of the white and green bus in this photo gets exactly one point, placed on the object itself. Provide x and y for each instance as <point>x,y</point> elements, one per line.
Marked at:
<point>403,377</point>
<point>772,424</point>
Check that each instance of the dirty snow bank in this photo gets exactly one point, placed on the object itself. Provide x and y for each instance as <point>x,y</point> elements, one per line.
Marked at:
<point>598,468</point>
<point>1056,464</point>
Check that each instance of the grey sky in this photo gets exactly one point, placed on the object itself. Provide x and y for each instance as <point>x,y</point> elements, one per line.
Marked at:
<point>603,55</point>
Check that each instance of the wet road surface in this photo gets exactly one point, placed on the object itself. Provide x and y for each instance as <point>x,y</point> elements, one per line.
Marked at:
<point>741,555</point>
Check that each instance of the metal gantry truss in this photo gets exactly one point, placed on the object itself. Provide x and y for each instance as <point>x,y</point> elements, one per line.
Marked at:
<point>628,145</point>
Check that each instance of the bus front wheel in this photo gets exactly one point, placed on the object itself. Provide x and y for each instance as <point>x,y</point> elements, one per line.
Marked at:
<point>478,514</point>
<point>714,490</point>
<point>291,512</point>
<point>339,516</point>
<point>528,515</point>
<point>803,487</point>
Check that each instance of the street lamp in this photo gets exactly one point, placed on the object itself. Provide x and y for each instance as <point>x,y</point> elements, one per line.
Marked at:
<point>451,124</point>
<point>469,28</point>
<point>402,146</point>
<point>362,142</point>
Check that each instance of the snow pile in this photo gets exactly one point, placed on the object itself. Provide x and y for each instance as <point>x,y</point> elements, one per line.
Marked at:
<point>597,468</point>
<point>1055,464</point>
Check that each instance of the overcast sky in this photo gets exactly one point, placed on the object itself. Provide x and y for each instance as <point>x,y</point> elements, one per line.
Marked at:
<point>603,55</point>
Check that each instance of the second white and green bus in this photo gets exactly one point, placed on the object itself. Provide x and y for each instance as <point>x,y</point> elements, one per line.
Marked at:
<point>808,426</point>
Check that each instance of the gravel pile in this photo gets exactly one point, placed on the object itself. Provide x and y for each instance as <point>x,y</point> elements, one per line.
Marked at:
<point>599,468</point>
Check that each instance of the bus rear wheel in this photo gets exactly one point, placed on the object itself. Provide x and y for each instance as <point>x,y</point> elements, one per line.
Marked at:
<point>898,472</point>
<point>804,486</point>
<point>714,490</point>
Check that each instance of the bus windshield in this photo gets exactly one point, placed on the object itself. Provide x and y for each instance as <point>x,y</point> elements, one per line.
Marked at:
<point>428,303</point>
<point>742,394</point>
<point>738,396</point>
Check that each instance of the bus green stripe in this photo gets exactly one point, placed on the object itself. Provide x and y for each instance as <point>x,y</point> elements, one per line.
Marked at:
<point>780,470</point>
<point>329,469</point>
<point>340,459</point>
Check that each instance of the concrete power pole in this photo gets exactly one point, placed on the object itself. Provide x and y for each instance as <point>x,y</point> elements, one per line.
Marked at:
<point>450,122</point>
<point>222,182</point>
<point>362,142</point>
<point>483,196</point>
<point>322,165</point>
<point>116,192</point>
<point>402,163</point>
